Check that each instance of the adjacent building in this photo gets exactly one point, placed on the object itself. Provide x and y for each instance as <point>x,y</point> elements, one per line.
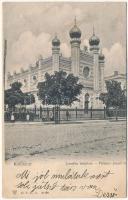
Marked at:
<point>119,77</point>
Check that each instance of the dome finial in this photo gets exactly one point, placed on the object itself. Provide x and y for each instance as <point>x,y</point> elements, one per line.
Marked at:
<point>75,21</point>
<point>55,34</point>
<point>93,30</point>
<point>94,40</point>
<point>75,32</point>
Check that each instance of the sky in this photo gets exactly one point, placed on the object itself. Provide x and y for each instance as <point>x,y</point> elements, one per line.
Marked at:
<point>30,27</point>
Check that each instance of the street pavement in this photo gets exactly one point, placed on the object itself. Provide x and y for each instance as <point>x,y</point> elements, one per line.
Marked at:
<point>96,138</point>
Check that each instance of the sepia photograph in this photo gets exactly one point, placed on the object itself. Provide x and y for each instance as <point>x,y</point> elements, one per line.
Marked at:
<point>65,99</point>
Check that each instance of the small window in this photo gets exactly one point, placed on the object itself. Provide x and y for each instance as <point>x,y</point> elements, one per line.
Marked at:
<point>86,72</point>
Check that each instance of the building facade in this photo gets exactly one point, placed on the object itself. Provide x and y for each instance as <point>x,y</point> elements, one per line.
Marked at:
<point>119,77</point>
<point>87,64</point>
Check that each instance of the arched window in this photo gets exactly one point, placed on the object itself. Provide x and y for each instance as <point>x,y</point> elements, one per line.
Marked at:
<point>86,72</point>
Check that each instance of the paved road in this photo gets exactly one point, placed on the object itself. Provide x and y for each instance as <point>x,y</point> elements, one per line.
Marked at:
<point>85,139</point>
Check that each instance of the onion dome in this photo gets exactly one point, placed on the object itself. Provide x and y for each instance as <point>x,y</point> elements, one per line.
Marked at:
<point>101,56</point>
<point>56,41</point>
<point>94,40</point>
<point>75,32</point>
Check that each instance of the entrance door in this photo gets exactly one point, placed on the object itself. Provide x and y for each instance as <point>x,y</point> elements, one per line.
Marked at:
<point>86,102</point>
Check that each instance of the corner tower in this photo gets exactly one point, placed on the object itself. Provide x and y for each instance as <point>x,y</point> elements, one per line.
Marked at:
<point>75,35</point>
<point>101,69</point>
<point>94,48</point>
<point>55,53</point>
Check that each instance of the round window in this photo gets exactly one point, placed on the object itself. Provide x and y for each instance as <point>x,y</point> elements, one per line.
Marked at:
<point>86,72</point>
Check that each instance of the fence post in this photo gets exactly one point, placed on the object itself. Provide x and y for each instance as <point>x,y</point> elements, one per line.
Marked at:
<point>59,114</point>
<point>35,109</point>
<point>56,115</point>
<point>91,112</point>
<point>76,112</point>
<point>116,114</point>
<point>67,114</point>
<point>40,112</point>
<point>19,110</point>
<point>53,110</point>
<point>25,109</point>
<point>47,114</point>
<point>104,112</point>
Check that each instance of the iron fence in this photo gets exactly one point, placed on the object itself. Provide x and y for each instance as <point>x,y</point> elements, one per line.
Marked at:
<point>59,114</point>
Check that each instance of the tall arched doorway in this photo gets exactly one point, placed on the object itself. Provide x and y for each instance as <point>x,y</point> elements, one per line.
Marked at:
<point>86,103</point>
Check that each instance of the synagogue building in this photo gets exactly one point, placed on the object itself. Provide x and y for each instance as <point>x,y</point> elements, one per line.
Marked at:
<point>88,64</point>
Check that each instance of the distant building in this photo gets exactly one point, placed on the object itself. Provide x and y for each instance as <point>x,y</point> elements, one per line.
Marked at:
<point>88,65</point>
<point>118,77</point>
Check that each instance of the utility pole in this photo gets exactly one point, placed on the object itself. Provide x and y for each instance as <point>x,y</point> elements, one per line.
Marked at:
<point>5,55</point>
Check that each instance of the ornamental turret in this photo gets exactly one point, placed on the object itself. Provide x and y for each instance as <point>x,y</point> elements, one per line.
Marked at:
<point>55,53</point>
<point>94,42</point>
<point>75,35</point>
<point>101,69</point>
<point>94,48</point>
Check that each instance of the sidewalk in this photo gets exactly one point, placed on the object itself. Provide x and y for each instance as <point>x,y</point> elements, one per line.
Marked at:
<point>65,122</point>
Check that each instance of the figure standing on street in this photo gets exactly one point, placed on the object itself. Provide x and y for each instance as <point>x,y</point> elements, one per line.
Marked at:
<point>27,117</point>
<point>12,117</point>
<point>51,116</point>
